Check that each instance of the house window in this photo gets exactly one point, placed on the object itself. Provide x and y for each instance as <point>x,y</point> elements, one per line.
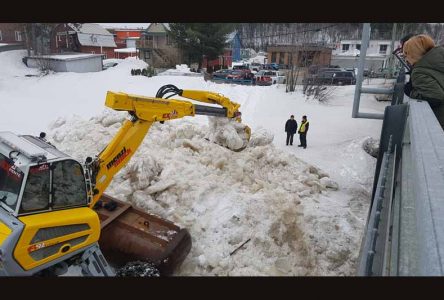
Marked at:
<point>1,35</point>
<point>345,47</point>
<point>358,46</point>
<point>59,38</point>
<point>93,52</point>
<point>273,57</point>
<point>168,40</point>
<point>18,36</point>
<point>281,58</point>
<point>147,55</point>
<point>383,49</point>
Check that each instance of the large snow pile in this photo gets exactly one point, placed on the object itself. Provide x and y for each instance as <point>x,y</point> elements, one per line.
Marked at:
<point>223,197</point>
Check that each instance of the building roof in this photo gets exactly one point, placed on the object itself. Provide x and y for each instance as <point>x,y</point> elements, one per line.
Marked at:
<point>125,26</point>
<point>90,34</point>
<point>230,37</point>
<point>158,28</point>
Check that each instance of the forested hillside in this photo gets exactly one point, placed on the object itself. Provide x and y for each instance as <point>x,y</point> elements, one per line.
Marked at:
<point>259,35</point>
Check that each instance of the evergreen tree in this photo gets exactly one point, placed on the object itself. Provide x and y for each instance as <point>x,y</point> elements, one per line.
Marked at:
<point>199,40</point>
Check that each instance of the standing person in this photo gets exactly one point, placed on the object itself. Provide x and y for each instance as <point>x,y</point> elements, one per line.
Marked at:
<point>303,132</point>
<point>427,78</point>
<point>290,128</point>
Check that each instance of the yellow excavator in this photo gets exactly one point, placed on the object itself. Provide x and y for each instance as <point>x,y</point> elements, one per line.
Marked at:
<point>53,210</point>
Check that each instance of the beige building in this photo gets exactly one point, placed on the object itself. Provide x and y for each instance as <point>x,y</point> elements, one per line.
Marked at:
<point>157,48</point>
<point>299,55</point>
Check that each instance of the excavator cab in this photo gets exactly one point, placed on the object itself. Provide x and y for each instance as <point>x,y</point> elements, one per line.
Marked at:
<point>35,177</point>
<point>44,213</point>
<point>46,223</point>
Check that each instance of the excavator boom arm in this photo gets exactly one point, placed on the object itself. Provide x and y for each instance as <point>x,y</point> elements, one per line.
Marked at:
<point>144,111</point>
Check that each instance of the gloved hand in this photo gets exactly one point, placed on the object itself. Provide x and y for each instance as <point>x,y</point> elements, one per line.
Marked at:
<point>408,88</point>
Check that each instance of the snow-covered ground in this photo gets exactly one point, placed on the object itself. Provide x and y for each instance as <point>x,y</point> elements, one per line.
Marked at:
<point>282,199</point>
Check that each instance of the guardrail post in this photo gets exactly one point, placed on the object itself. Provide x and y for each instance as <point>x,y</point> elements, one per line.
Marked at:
<point>361,65</point>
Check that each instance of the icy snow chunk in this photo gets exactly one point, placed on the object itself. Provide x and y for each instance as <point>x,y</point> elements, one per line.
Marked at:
<point>160,186</point>
<point>201,260</point>
<point>261,137</point>
<point>112,119</point>
<point>57,123</point>
<point>371,146</point>
<point>143,171</point>
<point>228,133</point>
<point>329,183</point>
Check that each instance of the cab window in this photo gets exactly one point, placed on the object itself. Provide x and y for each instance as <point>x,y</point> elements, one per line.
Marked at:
<point>10,182</point>
<point>68,184</point>
<point>36,193</point>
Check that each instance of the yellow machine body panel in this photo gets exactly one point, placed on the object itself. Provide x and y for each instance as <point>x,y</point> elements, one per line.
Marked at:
<point>5,231</point>
<point>51,235</point>
<point>148,108</point>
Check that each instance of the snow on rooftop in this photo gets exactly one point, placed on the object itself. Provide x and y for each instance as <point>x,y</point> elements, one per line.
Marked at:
<point>282,198</point>
<point>68,56</point>
<point>126,50</point>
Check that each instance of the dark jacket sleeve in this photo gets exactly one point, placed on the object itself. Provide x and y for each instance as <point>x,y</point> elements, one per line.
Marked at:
<point>427,88</point>
<point>286,125</point>
<point>306,127</point>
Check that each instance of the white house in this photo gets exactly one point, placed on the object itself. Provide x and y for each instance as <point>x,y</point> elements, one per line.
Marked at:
<point>346,54</point>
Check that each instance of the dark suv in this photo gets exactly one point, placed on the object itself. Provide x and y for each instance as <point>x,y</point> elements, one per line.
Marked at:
<point>332,78</point>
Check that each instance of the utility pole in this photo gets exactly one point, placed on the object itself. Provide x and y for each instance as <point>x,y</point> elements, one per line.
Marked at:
<point>392,45</point>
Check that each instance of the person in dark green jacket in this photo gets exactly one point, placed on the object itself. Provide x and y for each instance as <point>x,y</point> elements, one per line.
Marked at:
<point>427,77</point>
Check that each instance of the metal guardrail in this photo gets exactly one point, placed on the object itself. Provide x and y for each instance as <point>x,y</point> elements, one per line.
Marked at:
<point>404,235</point>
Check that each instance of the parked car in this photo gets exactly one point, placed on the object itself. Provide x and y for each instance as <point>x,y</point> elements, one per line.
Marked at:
<point>240,74</point>
<point>315,69</point>
<point>332,78</point>
<point>255,67</point>
<point>263,80</point>
<point>273,66</point>
<point>384,73</point>
<point>276,76</point>
<point>241,67</point>
<point>222,73</point>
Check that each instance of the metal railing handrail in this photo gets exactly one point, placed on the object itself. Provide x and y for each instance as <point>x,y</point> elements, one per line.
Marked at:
<point>404,234</point>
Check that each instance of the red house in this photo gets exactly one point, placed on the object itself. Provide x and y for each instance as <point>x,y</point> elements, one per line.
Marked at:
<point>82,37</point>
<point>222,62</point>
<point>12,33</point>
<point>231,52</point>
<point>126,42</point>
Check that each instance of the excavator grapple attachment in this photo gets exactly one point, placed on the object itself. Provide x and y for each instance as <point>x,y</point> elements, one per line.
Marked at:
<point>130,234</point>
